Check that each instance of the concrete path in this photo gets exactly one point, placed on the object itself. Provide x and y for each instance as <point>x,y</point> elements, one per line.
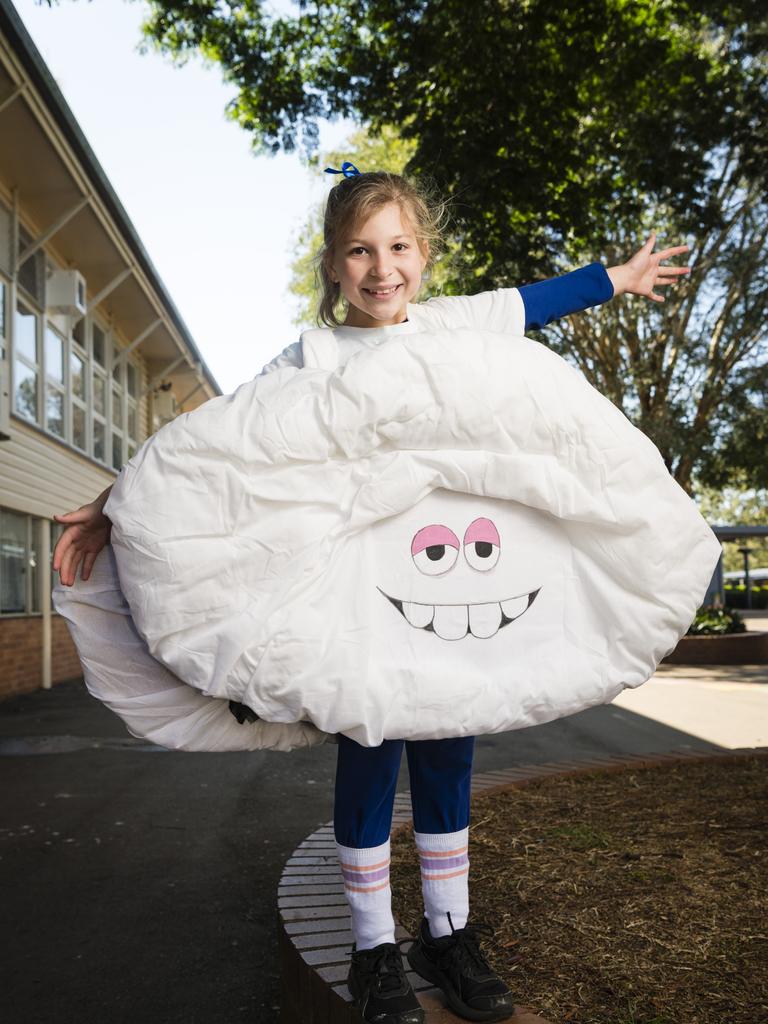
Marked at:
<point>139,884</point>
<point>719,704</point>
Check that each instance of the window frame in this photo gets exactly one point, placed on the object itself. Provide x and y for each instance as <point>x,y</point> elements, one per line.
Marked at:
<point>121,421</point>
<point>5,333</point>
<point>115,419</point>
<point>32,577</point>
<point>60,387</point>
<point>73,401</point>
<point>18,356</point>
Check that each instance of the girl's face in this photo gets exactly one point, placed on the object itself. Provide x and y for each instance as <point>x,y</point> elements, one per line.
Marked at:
<point>379,269</point>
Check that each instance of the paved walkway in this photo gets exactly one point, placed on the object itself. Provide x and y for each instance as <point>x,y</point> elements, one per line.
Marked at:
<point>140,884</point>
<point>756,619</point>
<point>720,704</point>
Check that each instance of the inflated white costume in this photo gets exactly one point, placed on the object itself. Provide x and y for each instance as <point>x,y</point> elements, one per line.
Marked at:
<point>435,529</point>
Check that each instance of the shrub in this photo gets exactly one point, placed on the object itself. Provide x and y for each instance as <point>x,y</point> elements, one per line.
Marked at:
<point>715,622</point>
<point>736,595</point>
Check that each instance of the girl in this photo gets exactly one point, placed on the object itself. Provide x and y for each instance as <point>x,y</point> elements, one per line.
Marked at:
<point>381,237</point>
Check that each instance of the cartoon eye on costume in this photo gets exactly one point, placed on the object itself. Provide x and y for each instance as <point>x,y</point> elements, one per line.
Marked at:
<point>435,549</point>
<point>482,544</point>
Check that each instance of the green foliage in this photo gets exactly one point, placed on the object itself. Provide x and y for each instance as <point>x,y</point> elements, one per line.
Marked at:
<point>742,431</point>
<point>736,596</point>
<point>738,505</point>
<point>716,622</point>
<point>561,132</point>
<point>542,120</point>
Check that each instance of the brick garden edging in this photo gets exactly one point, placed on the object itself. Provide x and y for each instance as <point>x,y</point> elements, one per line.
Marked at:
<point>315,939</point>
<point>728,649</point>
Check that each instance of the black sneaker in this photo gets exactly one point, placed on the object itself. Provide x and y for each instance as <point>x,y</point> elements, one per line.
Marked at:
<point>380,988</point>
<point>456,964</point>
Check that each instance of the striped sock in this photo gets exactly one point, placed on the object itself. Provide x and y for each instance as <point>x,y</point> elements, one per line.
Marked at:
<point>366,886</point>
<point>444,863</point>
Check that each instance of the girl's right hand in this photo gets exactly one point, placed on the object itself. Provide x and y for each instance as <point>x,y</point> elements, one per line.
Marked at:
<point>87,532</point>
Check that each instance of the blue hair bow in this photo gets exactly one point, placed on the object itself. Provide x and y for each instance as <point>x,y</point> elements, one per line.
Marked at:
<point>347,169</point>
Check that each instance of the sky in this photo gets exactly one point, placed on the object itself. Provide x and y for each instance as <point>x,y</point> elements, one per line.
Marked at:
<point>219,223</point>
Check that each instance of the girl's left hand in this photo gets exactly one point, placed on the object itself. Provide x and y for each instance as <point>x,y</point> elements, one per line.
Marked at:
<point>641,274</point>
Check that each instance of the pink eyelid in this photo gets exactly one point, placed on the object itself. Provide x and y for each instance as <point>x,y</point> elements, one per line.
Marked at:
<point>482,530</point>
<point>429,536</point>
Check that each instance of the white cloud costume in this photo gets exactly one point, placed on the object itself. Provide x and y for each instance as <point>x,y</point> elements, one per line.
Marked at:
<point>429,530</point>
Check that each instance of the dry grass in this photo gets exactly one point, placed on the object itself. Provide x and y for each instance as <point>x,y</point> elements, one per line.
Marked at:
<point>631,897</point>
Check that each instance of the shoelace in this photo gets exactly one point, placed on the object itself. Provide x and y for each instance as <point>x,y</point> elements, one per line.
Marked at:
<point>386,966</point>
<point>465,951</point>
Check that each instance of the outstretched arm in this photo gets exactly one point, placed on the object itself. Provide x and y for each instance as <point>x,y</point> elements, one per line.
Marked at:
<point>549,300</point>
<point>87,532</point>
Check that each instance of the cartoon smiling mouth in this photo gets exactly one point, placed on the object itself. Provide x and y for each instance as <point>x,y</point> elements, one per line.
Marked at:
<point>455,621</point>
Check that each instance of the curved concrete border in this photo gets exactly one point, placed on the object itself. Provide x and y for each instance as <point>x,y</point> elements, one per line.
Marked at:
<point>315,939</point>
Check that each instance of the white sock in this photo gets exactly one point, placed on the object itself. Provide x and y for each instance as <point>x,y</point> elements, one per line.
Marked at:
<point>366,886</point>
<point>444,866</point>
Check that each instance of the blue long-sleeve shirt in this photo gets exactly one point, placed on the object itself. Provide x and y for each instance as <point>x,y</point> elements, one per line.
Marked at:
<point>548,300</point>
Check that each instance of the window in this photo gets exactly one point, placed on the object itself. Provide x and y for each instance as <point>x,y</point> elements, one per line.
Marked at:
<point>26,365</point>
<point>5,239</point>
<point>26,334</point>
<point>75,387</point>
<point>117,411</point>
<point>99,385</point>
<point>19,590</point>
<point>3,319</point>
<point>124,415</point>
<point>54,382</point>
<point>69,382</point>
<point>56,531</point>
<point>132,400</point>
<point>117,450</point>
<point>98,346</point>
<point>78,386</point>
<point>77,378</point>
<point>117,407</point>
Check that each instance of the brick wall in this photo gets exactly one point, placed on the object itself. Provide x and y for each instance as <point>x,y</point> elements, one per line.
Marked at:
<point>21,654</point>
<point>65,663</point>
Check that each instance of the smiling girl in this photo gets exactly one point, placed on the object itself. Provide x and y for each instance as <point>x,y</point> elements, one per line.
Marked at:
<point>382,236</point>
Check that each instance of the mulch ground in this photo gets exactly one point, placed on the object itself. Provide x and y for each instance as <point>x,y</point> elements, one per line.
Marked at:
<point>630,897</point>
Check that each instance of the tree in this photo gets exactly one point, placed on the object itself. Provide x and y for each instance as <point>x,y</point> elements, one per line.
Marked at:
<point>553,127</point>
<point>693,374</point>
<point>540,119</point>
<point>738,504</point>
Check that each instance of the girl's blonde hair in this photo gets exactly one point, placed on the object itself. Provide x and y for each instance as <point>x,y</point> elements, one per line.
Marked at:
<point>352,201</point>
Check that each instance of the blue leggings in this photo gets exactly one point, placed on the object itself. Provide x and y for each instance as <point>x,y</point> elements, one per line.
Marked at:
<point>366,777</point>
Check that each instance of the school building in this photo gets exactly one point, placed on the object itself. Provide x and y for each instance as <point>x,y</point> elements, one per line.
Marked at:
<point>94,355</point>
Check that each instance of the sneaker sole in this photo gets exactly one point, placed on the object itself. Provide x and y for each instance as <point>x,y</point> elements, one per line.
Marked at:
<point>406,1017</point>
<point>429,972</point>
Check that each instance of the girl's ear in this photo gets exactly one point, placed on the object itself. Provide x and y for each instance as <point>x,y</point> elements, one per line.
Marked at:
<point>330,271</point>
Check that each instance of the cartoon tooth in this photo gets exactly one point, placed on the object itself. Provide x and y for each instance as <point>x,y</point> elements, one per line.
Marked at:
<point>484,619</point>
<point>419,615</point>
<point>515,606</point>
<point>451,621</point>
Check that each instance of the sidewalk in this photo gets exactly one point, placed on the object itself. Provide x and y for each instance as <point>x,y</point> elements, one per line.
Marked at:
<point>722,704</point>
<point>726,705</point>
<point>755,619</point>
